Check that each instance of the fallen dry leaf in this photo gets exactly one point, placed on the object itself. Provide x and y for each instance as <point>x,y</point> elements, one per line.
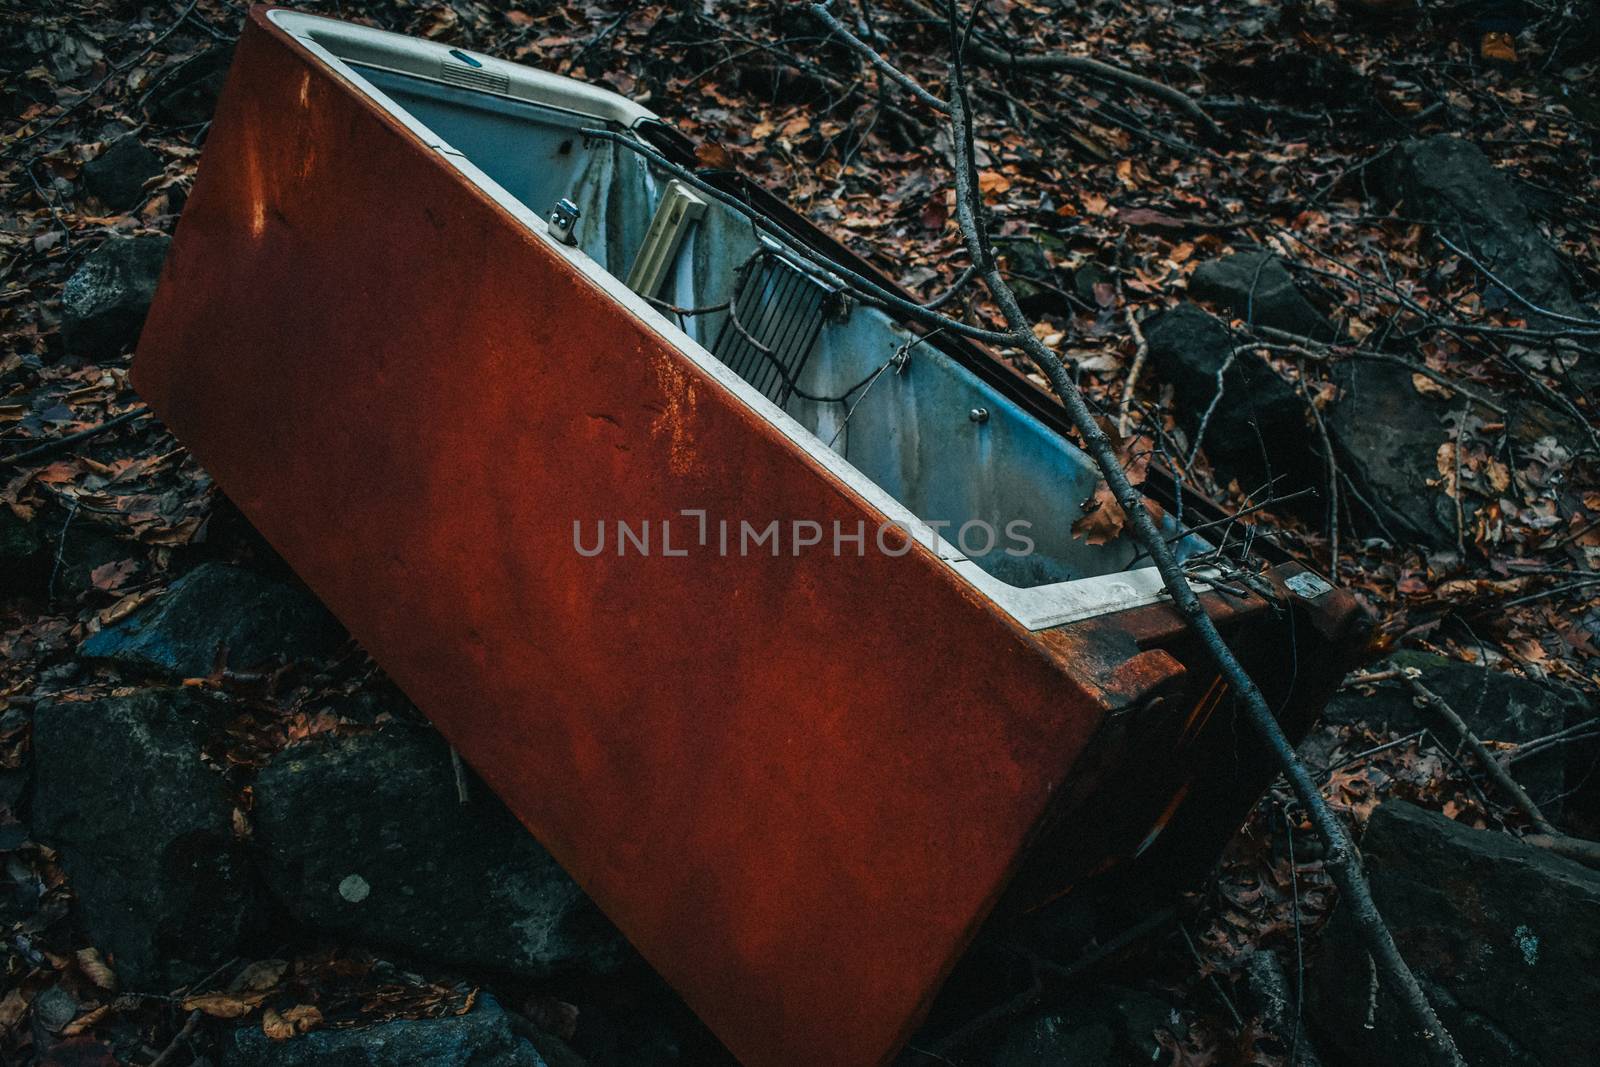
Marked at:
<point>1428,387</point>
<point>1102,520</point>
<point>260,975</point>
<point>127,606</point>
<point>108,576</point>
<point>224,1005</point>
<point>993,183</point>
<point>714,156</point>
<point>95,968</point>
<point>1498,45</point>
<point>12,1007</point>
<point>280,1026</point>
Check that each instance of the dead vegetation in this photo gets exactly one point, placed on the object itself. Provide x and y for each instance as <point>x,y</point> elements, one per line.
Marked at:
<point>1389,214</point>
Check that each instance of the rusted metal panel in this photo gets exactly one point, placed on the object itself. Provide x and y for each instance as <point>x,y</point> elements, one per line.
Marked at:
<point>798,786</point>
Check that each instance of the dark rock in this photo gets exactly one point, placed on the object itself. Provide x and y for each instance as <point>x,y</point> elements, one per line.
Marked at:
<point>1259,421</point>
<point>1306,79</point>
<point>54,553</point>
<point>104,303</point>
<point>480,1038</point>
<point>1536,426</point>
<point>145,832</point>
<point>117,175</point>
<point>1091,282</point>
<point>1496,705</point>
<point>83,1051</point>
<point>1106,1027</point>
<point>1505,938</point>
<point>639,1021</point>
<point>377,704</point>
<point>556,1052</point>
<point>81,546</point>
<point>1034,281</point>
<point>24,561</point>
<point>644,1041</point>
<point>186,94</point>
<point>1269,994</point>
<point>1051,1041</point>
<point>365,836</point>
<point>1257,287</point>
<point>1451,183</point>
<point>54,1008</point>
<point>1388,437</point>
<point>250,620</point>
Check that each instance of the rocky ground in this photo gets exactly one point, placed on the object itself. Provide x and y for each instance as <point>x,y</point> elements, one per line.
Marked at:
<point>1364,306</point>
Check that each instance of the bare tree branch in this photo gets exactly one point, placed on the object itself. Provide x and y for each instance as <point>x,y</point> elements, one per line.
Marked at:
<point>1322,352</point>
<point>1331,461</point>
<point>1059,61</point>
<point>1491,766</point>
<point>1542,312</point>
<point>889,70</point>
<point>1548,837</point>
<point>1140,354</point>
<point>55,444</point>
<point>1342,862</point>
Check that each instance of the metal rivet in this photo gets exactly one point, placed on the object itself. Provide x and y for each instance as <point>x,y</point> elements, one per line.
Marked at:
<point>978,414</point>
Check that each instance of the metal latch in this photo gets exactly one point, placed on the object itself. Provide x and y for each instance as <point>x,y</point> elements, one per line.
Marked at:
<point>1307,585</point>
<point>564,220</point>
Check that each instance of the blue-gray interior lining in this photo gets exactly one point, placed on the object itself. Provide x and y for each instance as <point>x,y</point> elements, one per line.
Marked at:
<point>912,431</point>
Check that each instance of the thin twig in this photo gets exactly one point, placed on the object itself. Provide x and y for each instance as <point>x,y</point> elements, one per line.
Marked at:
<point>899,77</point>
<point>955,289</point>
<point>1456,496</point>
<point>1233,516</point>
<point>1060,972</point>
<point>61,549</point>
<point>1374,677</point>
<point>1211,979</point>
<point>57,443</point>
<point>686,312</point>
<point>848,90</point>
<point>1491,766</point>
<point>1216,398</point>
<point>1139,355</point>
<point>1322,352</point>
<point>178,1039</point>
<point>1554,590</point>
<point>1060,61</point>
<point>1581,731</point>
<point>49,202</point>
<point>460,770</point>
<point>1299,944</point>
<point>1577,849</point>
<point>598,39</point>
<point>1548,837</point>
<point>1542,312</point>
<point>1333,470</point>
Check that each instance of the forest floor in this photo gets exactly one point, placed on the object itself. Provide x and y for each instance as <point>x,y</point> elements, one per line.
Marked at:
<point>1431,357</point>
